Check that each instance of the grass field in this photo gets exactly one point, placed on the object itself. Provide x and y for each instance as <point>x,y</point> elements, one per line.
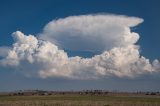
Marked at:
<point>79,100</point>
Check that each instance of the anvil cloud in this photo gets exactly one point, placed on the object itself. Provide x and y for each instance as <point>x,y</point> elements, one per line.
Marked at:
<point>43,55</point>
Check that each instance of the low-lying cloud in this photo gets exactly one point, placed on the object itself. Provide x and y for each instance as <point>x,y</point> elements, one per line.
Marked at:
<point>111,34</point>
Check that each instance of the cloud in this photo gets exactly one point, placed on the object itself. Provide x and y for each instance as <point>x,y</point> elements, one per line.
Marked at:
<point>92,32</point>
<point>44,55</point>
<point>4,50</point>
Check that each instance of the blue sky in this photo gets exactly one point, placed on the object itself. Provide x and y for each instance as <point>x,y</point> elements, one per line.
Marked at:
<point>30,17</point>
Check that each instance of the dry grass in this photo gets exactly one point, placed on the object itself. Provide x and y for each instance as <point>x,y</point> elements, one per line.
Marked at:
<point>78,100</point>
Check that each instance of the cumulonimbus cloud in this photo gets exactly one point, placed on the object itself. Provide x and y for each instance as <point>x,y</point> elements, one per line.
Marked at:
<point>111,34</point>
<point>92,32</point>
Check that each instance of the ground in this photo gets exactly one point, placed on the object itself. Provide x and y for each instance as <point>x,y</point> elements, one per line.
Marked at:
<point>79,100</point>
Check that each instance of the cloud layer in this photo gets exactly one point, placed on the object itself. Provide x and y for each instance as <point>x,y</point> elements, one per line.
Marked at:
<point>111,34</point>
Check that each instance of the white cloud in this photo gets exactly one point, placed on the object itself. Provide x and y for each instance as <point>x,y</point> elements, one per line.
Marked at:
<point>121,57</point>
<point>92,32</point>
<point>156,65</point>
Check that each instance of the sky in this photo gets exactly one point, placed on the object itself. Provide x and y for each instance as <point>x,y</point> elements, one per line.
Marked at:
<point>76,45</point>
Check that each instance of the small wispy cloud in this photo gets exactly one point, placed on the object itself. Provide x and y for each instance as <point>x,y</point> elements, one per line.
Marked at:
<point>4,51</point>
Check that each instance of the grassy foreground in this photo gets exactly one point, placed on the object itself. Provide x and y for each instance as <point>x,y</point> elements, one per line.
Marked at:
<point>79,100</point>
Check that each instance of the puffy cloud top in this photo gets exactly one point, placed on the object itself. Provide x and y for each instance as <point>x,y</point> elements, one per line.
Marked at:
<point>92,32</point>
<point>108,33</point>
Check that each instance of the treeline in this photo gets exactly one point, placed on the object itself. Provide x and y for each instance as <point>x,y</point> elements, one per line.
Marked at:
<point>83,92</point>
